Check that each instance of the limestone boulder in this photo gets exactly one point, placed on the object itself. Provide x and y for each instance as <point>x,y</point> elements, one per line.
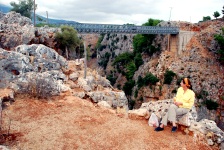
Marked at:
<point>209,129</point>
<point>79,94</point>
<point>45,35</point>
<point>113,98</point>
<point>28,58</point>
<point>34,69</point>
<point>39,84</point>
<point>104,104</point>
<point>141,113</point>
<point>15,30</point>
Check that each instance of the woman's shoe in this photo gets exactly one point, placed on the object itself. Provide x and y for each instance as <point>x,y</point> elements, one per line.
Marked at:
<point>174,129</point>
<point>159,129</point>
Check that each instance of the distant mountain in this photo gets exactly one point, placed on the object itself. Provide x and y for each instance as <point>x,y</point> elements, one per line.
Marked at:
<point>39,18</point>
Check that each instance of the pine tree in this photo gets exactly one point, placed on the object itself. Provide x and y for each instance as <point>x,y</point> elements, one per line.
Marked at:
<point>68,39</point>
<point>216,14</point>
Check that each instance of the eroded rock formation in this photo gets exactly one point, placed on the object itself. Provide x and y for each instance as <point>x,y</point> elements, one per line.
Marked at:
<point>39,70</point>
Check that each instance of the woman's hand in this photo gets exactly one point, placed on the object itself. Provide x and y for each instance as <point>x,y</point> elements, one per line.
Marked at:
<point>178,103</point>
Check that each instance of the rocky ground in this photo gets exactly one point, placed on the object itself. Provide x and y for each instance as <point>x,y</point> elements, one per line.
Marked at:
<point>68,122</point>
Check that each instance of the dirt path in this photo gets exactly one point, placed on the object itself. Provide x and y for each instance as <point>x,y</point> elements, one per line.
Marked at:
<point>71,123</point>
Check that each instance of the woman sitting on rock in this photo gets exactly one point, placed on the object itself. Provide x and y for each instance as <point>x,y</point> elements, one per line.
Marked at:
<point>183,102</point>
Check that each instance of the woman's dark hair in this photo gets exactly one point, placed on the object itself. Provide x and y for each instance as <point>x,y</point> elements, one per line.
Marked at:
<point>187,82</point>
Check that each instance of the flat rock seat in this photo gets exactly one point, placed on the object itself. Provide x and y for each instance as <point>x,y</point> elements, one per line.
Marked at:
<point>160,108</point>
<point>188,118</point>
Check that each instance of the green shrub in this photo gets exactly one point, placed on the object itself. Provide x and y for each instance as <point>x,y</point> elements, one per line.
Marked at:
<point>104,60</point>
<point>113,54</point>
<point>199,96</point>
<point>117,39</point>
<point>138,60</point>
<point>125,37</point>
<point>128,87</point>
<point>131,68</point>
<point>211,105</point>
<point>160,90</point>
<point>151,50</point>
<point>140,82</point>
<point>150,79</point>
<point>168,77</point>
<point>94,55</point>
<point>111,79</point>
<point>98,44</point>
<point>202,94</point>
<point>220,39</point>
<point>112,43</point>
<point>102,47</point>
<point>131,104</point>
<point>123,59</point>
<point>119,86</point>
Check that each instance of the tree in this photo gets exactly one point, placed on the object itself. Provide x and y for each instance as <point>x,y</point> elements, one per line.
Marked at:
<point>220,39</point>
<point>206,18</point>
<point>138,60</point>
<point>131,68</point>
<point>68,39</point>
<point>143,42</point>
<point>216,14</point>
<point>127,88</point>
<point>24,7</point>
<point>223,10</point>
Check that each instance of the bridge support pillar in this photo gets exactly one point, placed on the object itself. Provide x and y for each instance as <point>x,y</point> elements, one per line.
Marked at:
<point>172,42</point>
<point>177,42</point>
<point>183,38</point>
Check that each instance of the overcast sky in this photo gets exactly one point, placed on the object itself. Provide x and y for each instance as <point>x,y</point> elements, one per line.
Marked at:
<point>126,11</point>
